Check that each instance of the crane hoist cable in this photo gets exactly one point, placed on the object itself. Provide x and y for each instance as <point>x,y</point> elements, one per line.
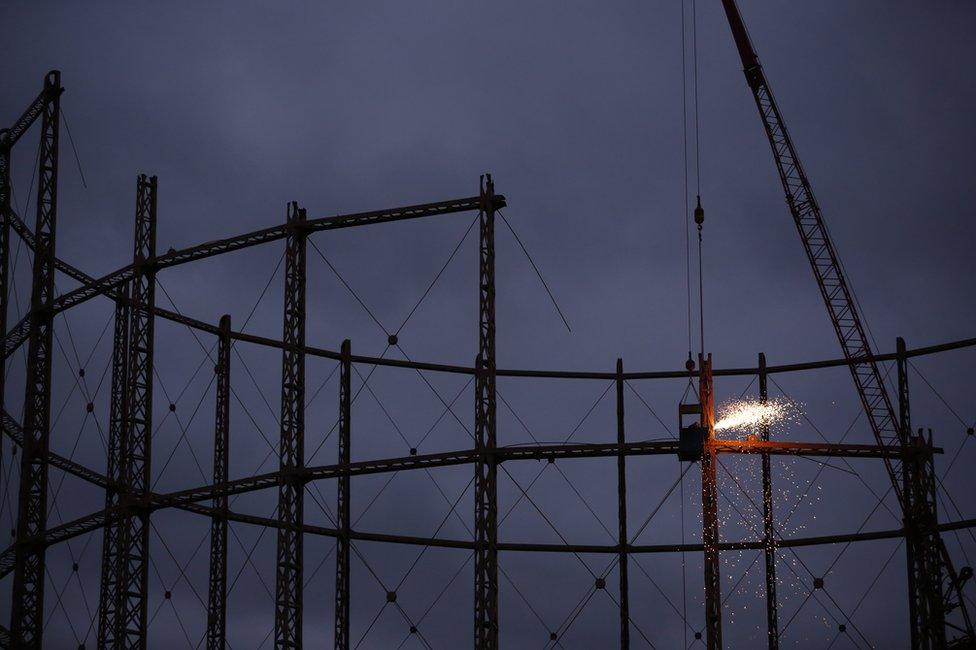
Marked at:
<point>699,220</point>
<point>699,213</point>
<point>699,217</point>
<point>690,363</point>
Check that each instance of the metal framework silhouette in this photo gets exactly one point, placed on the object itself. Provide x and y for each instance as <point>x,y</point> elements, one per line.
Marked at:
<point>130,500</point>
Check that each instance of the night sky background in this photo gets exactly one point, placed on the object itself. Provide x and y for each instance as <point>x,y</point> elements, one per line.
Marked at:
<point>576,109</point>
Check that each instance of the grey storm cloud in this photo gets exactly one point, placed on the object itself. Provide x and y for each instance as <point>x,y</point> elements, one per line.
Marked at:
<point>576,109</point>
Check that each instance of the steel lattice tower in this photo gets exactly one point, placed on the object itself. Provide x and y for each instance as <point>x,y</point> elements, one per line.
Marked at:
<point>291,449</point>
<point>28,595</point>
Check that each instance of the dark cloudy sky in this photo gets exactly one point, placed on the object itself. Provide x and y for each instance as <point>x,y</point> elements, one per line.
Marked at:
<point>576,109</point>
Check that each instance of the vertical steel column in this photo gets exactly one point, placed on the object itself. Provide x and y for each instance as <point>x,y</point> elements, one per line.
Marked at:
<point>622,512</point>
<point>927,591</point>
<point>27,616</point>
<point>939,592</point>
<point>485,482</point>
<point>4,260</point>
<point>291,447</point>
<point>710,535</point>
<point>769,540</point>
<point>108,594</point>
<point>135,465</point>
<point>217,591</point>
<point>4,257</point>
<point>343,520</point>
<point>916,607</point>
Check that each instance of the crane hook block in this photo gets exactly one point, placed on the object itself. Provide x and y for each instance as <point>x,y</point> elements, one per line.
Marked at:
<point>699,213</point>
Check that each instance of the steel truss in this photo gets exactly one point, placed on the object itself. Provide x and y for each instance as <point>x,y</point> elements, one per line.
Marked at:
<point>217,590</point>
<point>27,616</point>
<point>343,516</point>
<point>129,500</point>
<point>135,460</point>
<point>291,445</point>
<point>622,539</point>
<point>5,195</point>
<point>486,466</point>
<point>111,545</point>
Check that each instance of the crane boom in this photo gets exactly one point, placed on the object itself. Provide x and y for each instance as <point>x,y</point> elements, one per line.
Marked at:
<point>931,568</point>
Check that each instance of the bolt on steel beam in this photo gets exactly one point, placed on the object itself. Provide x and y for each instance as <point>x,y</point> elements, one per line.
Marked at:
<point>485,484</point>
<point>291,447</point>
<point>217,589</point>
<point>27,611</point>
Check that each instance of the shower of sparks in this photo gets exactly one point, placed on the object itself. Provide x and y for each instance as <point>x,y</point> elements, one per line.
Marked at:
<point>740,511</point>
<point>750,416</point>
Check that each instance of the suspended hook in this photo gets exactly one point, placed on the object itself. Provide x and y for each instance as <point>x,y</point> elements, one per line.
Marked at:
<point>699,213</point>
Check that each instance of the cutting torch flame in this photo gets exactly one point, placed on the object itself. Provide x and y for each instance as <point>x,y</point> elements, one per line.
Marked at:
<point>749,415</point>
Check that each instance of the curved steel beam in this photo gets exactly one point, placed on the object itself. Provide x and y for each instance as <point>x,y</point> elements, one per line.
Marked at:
<point>96,520</point>
<point>189,499</point>
<point>107,285</point>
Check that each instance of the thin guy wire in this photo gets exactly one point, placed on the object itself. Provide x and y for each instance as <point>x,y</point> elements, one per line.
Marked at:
<point>64,118</point>
<point>538,273</point>
<point>437,276</point>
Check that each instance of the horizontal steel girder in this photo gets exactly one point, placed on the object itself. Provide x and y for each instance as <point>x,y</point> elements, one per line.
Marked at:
<point>189,499</point>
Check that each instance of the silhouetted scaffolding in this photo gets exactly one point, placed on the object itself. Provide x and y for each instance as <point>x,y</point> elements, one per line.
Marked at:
<point>130,500</point>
